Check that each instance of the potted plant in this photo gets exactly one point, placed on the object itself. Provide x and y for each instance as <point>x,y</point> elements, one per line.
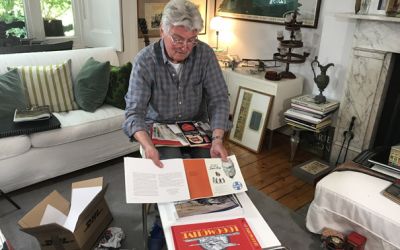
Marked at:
<point>52,10</point>
<point>12,20</point>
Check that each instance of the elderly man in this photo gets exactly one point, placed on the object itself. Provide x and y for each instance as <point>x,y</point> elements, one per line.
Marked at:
<point>177,79</point>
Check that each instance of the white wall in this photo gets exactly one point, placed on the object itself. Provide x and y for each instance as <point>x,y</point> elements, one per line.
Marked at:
<point>331,42</point>
<point>130,32</point>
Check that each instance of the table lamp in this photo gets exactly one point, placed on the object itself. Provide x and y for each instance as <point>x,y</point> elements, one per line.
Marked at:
<point>217,25</point>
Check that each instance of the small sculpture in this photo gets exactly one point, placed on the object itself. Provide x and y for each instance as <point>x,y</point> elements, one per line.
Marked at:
<point>322,80</point>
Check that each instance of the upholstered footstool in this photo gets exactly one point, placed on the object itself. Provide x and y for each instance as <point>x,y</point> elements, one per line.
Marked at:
<point>351,201</point>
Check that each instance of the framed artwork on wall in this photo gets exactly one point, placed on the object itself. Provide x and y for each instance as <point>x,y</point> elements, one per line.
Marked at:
<point>151,12</point>
<point>272,11</point>
<point>250,117</point>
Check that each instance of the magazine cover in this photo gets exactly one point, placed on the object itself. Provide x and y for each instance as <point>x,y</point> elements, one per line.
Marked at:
<point>206,205</point>
<point>226,234</point>
<point>195,133</point>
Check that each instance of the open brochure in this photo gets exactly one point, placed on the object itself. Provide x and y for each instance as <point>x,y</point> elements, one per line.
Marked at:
<point>181,134</point>
<point>33,114</point>
<point>181,179</point>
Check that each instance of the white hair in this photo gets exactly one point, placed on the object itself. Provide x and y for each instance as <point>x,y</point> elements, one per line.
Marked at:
<point>181,13</point>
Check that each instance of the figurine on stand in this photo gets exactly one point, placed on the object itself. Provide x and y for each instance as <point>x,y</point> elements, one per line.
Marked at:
<point>285,50</point>
<point>322,80</point>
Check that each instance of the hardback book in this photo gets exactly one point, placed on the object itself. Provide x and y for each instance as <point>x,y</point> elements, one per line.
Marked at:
<point>225,234</point>
<point>393,191</point>
<point>34,114</point>
<point>181,134</point>
<point>293,113</point>
<point>191,208</point>
<point>309,124</point>
<point>309,102</point>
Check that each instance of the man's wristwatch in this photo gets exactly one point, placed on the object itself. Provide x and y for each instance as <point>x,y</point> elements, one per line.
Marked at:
<point>217,137</point>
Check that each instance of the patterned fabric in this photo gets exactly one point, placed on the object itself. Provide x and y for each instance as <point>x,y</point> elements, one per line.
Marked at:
<point>49,85</point>
<point>157,93</point>
<point>118,86</point>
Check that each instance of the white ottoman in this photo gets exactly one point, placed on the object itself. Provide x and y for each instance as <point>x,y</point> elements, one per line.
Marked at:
<point>352,201</point>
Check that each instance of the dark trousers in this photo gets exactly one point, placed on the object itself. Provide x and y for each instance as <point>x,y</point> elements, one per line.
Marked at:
<point>183,152</point>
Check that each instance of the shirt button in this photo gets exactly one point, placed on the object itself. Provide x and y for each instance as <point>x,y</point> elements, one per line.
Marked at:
<point>173,74</point>
<point>180,102</point>
<point>179,115</point>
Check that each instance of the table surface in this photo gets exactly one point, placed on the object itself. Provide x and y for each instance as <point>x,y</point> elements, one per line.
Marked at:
<point>259,226</point>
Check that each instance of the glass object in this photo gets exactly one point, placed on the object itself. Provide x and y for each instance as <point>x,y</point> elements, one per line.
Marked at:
<point>58,18</point>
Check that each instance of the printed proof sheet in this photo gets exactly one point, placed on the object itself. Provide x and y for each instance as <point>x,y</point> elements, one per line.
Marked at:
<point>181,179</point>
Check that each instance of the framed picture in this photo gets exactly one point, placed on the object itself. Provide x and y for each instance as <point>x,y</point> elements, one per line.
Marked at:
<point>151,11</point>
<point>269,11</point>
<point>250,117</point>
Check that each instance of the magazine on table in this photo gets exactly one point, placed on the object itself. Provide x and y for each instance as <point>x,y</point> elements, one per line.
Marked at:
<point>36,113</point>
<point>224,234</point>
<point>208,207</point>
<point>181,179</point>
<point>181,134</point>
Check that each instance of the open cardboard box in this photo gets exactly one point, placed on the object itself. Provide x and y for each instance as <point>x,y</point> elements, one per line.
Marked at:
<point>57,224</point>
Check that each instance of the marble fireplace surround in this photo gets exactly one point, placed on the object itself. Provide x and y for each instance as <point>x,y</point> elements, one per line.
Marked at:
<point>376,38</point>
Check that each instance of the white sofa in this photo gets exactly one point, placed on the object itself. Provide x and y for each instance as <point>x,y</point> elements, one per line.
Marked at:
<point>84,138</point>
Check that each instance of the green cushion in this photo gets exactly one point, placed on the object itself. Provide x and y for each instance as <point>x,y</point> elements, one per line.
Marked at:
<point>119,83</point>
<point>12,93</point>
<point>49,85</point>
<point>91,84</point>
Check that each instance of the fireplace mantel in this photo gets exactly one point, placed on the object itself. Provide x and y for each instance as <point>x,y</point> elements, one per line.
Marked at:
<point>379,18</point>
<point>376,38</point>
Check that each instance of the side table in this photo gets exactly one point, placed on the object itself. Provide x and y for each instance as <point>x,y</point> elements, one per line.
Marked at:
<point>295,139</point>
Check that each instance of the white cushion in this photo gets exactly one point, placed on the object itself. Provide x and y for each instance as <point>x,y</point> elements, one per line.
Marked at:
<point>78,124</point>
<point>13,146</point>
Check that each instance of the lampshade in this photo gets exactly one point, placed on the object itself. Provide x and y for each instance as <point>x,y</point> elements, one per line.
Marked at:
<point>217,23</point>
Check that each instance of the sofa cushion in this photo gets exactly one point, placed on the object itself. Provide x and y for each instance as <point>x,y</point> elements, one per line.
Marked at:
<point>79,124</point>
<point>12,93</point>
<point>118,86</point>
<point>49,85</point>
<point>91,84</point>
<point>14,146</point>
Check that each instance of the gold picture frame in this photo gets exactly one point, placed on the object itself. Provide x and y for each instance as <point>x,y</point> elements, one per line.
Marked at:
<point>250,118</point>
<point>269,12</point>
<point>151,11</point>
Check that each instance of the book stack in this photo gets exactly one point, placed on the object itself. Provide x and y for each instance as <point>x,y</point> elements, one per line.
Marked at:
<point>306,114</point>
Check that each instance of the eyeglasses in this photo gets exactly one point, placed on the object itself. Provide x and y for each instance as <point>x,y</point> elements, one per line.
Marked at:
<point>178,41</point>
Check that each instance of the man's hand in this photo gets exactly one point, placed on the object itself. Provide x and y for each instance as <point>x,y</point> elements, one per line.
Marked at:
<point>218,150</point>
<point>150,151</point>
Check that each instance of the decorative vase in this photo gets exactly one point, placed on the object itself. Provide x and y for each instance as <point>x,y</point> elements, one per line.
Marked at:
<point>322,80</point>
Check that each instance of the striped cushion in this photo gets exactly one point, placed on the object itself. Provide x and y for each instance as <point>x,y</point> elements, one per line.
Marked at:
<point>49,85</point>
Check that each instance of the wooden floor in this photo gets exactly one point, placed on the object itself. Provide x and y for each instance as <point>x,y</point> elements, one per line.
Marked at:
<point>270,171</point>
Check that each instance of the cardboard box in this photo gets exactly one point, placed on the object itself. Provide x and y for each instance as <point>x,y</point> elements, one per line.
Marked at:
<point>91,219</point>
